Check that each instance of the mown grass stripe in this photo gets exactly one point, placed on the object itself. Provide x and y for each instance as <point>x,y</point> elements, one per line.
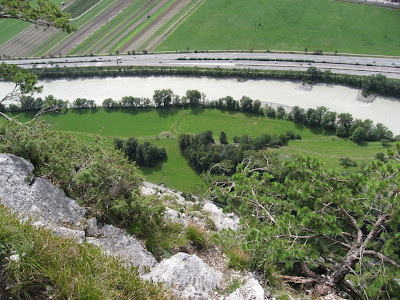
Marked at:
<point>111,27</point>
<point>170,23</point>
<point>116,38</point>
<point>140,28</point>
<point>46,46</point>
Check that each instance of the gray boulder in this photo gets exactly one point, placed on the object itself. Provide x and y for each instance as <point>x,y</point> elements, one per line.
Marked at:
<point>252,290</point>
<point>117,242</point>
<point>91,227</point>
<point>188,275</point>
<point>22,192</point>
<point>175,216</point>
<point>221,219</point>
<point>62,231</point>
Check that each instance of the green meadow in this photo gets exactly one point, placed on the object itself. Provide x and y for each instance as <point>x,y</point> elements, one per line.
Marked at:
<point>288,25</point>
<point>153,125</point>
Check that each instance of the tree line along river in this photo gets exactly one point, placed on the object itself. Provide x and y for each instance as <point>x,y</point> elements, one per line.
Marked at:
<point>337,98</point>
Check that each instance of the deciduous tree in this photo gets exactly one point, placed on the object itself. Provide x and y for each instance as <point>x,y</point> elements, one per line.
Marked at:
<point>45,14</point>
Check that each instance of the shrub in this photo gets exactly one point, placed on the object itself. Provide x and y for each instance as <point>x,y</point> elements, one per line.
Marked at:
<point>238,259</point>
<point>197,236</point>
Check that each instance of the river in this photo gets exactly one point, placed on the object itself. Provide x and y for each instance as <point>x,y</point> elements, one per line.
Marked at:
<point>337,98</point>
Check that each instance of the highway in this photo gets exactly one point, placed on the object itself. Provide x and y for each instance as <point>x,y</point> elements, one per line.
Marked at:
<point>355,65</point>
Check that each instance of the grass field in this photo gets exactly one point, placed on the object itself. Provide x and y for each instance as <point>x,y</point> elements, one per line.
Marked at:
<point>149,125</point>
<point>10,28</point>
<point>79,7</point>
<point>288,25</point>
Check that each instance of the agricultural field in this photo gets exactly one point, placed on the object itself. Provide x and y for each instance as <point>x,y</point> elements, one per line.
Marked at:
<point>104,26</point>
<point>126,26</point>
<point>288,25</point>
<point>162,127</point>
<point>10,28</point>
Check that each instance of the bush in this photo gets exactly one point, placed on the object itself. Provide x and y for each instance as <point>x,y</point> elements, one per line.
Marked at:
<point>97,177</point>
<point>197,236</point>
<point>238,259</point>
<point>380,156</point>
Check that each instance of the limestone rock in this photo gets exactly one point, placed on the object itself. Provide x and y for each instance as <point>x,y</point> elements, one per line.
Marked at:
<point>22,192</point>
<point>151,189</point>
<point>117,242</point>
<point>175,216</point>
<point>252,290</point>
<point>189,276</point>
<point>91,227</point>
<point>62,231</point>
<point>221,219</point>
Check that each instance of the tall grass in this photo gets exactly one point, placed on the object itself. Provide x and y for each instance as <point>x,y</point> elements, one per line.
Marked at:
<point>63,268</point>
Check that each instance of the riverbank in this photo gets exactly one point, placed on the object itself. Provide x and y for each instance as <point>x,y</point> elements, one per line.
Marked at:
<point>337,98</point>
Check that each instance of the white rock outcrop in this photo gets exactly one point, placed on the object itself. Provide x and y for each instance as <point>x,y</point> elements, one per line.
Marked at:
<point>115,241</point>
<point>252,290</point>
<point>37,197</point>
<point>221,220</point>
<point>189,276</point>
<point>50,208</point>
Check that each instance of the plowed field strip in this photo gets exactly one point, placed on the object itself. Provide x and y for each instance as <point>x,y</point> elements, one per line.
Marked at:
<point>80,7</point>
<point>167,28</point>
<point>43,47</point>
<point>31,41</point>
<point>76,39</point>
<point>141,39</point>
<point>10,28</point>
<point>80,23</point>
<point>110,47</point>
<point>26,41</point>
<point>112,29</point>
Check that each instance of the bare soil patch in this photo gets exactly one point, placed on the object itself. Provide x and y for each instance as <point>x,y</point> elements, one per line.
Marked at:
<point>26,41</point>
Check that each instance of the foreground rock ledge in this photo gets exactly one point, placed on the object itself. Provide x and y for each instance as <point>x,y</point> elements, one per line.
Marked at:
<point>48,206</point>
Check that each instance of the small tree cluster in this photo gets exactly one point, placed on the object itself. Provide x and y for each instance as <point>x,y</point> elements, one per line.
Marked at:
<point>80,103</point>
<point>203,153</point>
<point>146,154</point>
<point>245,104</point>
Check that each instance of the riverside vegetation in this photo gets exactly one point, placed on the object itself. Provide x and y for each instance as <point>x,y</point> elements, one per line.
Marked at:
<point>311,130</point>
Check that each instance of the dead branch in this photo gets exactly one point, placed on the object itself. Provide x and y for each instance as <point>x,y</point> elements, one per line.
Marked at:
<point>382,257</point>
<point>298,280</point>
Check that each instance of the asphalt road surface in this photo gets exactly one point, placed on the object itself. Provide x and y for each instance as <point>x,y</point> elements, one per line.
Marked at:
<point>355,65</point>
